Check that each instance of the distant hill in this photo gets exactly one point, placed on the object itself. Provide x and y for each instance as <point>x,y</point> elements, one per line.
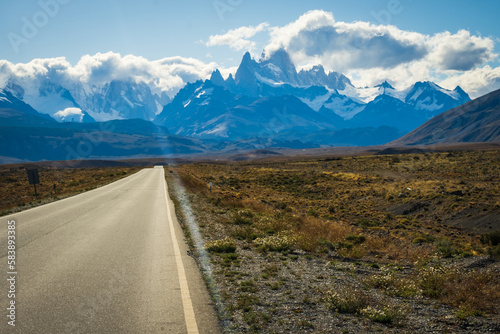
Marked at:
<point>477,121</point>
<point>14,112</point>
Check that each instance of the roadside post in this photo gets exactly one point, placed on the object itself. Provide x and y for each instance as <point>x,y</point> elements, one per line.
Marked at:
<point>33,178</point>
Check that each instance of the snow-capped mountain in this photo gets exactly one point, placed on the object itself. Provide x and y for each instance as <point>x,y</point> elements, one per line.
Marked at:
<point>269,98</point>
<point>317,76</point>
<point>89,103</point>
<point>477,121</point>
<point>52,99</point>
<point>277,74</point>
<point>266,98</point>
<point>427,96</point>
<point>387,110</point>
<point>14,112</point>
<point>120,100</point>
<point>203,109</point>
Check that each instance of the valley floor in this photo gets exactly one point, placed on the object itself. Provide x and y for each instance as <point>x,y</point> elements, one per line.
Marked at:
<point>390,243</point>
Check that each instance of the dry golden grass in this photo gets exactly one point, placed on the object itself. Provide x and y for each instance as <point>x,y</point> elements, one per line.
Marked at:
<point>409,226</point>
<point>16,193</point>
<point>395,201</point>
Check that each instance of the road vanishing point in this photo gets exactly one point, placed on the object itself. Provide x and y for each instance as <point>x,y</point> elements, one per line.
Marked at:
<point>110,260</point>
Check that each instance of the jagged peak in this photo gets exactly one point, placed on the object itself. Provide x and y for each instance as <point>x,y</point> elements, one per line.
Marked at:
<point>265,56</point>
<point>459,90</point>
<point>315,69</point>
<point>384,85</point>
<point>217,78</point>
<point>429,84</point>
<point>247,57</point>
<point>279,56</point>
<point>247,62</point>
<point>15,89</point>
<point>318,68</point>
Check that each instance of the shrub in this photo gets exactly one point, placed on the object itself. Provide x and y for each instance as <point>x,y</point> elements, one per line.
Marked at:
<point>246,233</point>
<point>312,212</point>
<point>386,315</point>
<point>346,245</point>
<point>392,285</point>
<point>346,300</point>
<point>225,245</point>
<point>277,243</point>
<point>464,312</point>
<point>243,217</point>
<point>349,250</point>
<point>419,240</point>
<point>446,248</point>
<point>327,244</point>
<point>431,280</point>
<point>379,281</point>
<point>495,251</point>
<point>239,220</point>
<point>246,213</point>
<point>248,286</point>
<point>491,238</point>
<point>245,302</point>
<point>473,291</point>
<point>281,206</point>
<point>365,222</point>
<point>355,239</point>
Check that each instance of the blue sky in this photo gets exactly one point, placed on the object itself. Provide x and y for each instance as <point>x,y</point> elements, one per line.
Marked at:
<point>155,29</point>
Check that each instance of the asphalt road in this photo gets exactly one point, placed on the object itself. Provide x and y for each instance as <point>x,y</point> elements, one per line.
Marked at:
<point>105,261</point>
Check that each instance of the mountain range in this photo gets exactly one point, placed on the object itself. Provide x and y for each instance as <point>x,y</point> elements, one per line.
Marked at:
<point>270,98</point>
<point>84,103</point>
<point>268,103</point>
<point>477,121</point>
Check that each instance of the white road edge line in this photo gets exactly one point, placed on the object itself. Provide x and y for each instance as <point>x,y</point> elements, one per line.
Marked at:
<point>192,327</point>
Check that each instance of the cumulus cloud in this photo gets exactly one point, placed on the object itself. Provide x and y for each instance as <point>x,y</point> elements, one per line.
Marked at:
<point>460,51</point>
<point>163,75</point>
<point>370,54</point>
<point>400,77</point>
<point>69,114</point>
<point>365,52</point>
<point>238,39</point>
<point>476,82</point>
<point>316,36</point>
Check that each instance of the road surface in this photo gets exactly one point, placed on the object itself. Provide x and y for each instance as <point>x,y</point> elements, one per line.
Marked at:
<point>105,261</point>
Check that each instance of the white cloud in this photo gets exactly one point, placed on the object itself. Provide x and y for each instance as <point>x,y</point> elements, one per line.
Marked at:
<point>281,37</point>
<point>238,39</point>
<point>163,75</point>
<point>225,72</point>
<point>316,36</point>
<point>370,54</point>
<point>69,114</point>
<point>476,82</point>
<point>367,53</point>
<point>400,77</point>
<point>460,51</point>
